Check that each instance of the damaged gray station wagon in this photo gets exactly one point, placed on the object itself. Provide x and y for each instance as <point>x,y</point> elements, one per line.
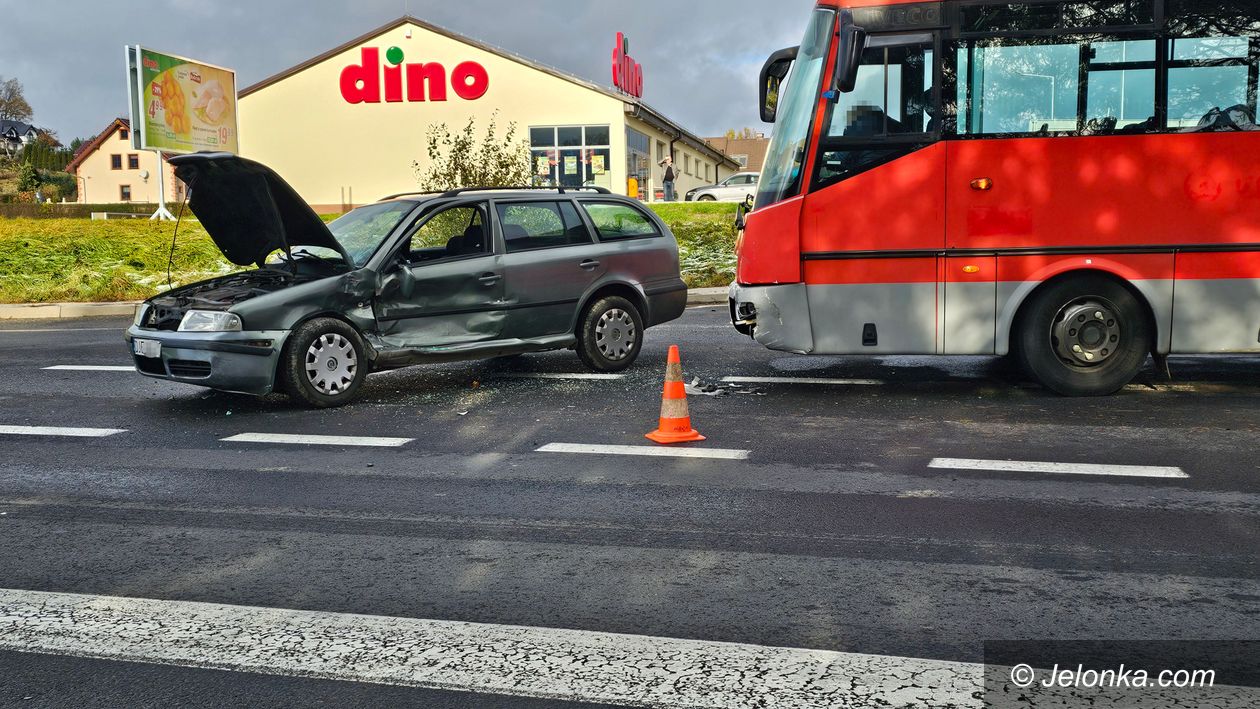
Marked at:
<point>468,274</point>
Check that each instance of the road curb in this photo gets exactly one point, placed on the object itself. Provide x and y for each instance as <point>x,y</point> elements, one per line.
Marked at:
<point>53,311</point>
<point>706,296</point>
<point>50,311</point>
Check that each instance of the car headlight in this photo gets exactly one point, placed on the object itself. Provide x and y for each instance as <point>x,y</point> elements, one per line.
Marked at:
<point>209,321</point>
<point>142,310</point>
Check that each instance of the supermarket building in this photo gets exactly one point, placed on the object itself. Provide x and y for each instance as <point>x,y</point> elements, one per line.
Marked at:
<point>345,127</point>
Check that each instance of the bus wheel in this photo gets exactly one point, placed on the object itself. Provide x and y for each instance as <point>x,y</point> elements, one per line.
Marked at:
<point>1083,336</point>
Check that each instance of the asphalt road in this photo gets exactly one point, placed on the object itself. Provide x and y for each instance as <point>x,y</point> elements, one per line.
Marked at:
<point>836,531</point>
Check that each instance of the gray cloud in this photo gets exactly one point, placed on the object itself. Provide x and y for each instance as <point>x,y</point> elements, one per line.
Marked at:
<point>700,58</point>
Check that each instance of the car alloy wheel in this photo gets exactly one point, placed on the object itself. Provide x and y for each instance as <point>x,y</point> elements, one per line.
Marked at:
<point>331,364</point>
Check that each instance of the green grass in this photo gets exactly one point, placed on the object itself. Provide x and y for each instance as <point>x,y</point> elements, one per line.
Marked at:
<point>81,260</point>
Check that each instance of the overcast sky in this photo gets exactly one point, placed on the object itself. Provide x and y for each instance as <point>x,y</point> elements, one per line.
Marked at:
<point>700,57</point>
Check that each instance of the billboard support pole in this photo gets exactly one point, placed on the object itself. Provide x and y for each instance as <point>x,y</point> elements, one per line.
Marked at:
<point>162,213</point>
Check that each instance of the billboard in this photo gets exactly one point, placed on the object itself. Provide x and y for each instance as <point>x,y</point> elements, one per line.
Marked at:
<point>179,105</point>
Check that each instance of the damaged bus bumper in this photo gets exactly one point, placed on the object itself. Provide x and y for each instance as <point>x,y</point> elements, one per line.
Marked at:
<point>758,311</point>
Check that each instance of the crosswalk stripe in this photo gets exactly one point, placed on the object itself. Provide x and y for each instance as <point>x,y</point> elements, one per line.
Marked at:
<point>573,665</point>
<point>595,449</point>
<point>313,440</point>
<point>59,431</point>
<point>91,368</point>
<point>1022,466</point>
<point>802,380</point>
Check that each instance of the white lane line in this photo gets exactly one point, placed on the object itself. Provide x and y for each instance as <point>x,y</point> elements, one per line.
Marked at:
<point>802,380</point>
<point>65,329</point>
<point>309,440</point>
<point>1021,466</point>
<point>91,368</point>
<point>555,375</point>
<point>59,431</point>
<point>714,453</point>
<point>573,665</point>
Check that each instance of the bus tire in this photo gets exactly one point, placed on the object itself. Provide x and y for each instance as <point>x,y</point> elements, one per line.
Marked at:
<point>1084,335</point>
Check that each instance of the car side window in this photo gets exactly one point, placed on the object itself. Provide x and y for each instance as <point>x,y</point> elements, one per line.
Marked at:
<point>451,233</point>
<point>540,225</point>
<point>619,221</point>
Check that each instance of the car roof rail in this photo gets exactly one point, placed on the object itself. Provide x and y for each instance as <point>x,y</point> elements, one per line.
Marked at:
<point>559,188</point>
<point>408,194</point>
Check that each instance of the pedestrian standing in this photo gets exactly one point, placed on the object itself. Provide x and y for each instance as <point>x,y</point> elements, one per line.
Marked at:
<point>668,179</point>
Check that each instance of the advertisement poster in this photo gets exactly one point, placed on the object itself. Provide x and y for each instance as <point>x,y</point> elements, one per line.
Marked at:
<point>597,165</point>
<point>186,106</point>
<point>570,165</point>
<point>543,165</point>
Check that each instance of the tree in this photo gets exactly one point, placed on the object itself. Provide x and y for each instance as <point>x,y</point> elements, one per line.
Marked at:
<point>463,159</point>
<point>75,145</point>
<point>741,134</point>
<point>13,105</point>
<point>28,178</point>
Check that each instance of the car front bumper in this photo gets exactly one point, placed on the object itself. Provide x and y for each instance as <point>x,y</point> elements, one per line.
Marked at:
<point>243,362</point>
<point>775,316</point>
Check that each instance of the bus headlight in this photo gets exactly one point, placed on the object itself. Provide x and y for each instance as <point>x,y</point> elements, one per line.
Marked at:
<point>210,321</point>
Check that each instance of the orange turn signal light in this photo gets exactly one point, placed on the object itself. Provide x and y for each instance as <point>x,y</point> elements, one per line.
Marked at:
<point>971,269</point>
<point>982,184</point>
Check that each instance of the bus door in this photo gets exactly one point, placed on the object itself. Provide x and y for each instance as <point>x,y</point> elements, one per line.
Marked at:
<point>872,226</point>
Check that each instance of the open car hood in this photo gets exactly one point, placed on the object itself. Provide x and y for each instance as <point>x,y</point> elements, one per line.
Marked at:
<point>248,209</point>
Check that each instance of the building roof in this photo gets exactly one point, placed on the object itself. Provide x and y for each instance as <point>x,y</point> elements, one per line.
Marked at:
<point>635,106</point>
<point>18,127</point>
<point>754,148</point>
<point>91,146</point>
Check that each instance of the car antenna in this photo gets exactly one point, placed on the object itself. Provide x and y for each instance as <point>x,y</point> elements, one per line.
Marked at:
<point>170,259</point>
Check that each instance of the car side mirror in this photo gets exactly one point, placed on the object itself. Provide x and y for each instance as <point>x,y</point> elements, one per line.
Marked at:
<point>741,210</point>
<point>773,72</point>
<point>848,56</point>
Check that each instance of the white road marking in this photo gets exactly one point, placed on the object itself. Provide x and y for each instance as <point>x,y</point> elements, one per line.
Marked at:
<point>556,375</point>
<point>91,368</point>
<point>1020,466</point>
<point>714,453</point>
<point>802,380</point>
<point>309,440</point>
<point>59,431</point>
<point>64,329</point>
<point>573,665</point>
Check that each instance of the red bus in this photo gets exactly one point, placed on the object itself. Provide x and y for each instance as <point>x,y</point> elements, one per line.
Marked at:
<point>1074,182</point>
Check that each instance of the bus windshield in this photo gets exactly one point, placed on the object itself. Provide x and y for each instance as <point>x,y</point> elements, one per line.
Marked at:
<point>785,159</point>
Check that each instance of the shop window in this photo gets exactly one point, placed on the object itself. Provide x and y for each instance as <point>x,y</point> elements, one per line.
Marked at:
<point>541,225</point>
<point>115,162</point>
<point>133,162</point>
<point>618,221</point>
<point>660,151</point>
<point>570,156</point>
<point>124,193</point>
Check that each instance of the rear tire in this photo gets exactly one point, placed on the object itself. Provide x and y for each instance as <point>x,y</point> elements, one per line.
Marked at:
<point>323,363</point>
<point>1085,335</point>
<point>610,334</point>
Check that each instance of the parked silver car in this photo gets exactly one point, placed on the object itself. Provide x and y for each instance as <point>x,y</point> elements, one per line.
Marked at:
<point>464,275</point>
<point>736,188</point>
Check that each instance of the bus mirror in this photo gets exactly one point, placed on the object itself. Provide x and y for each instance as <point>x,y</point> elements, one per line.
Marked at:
<point>773,72</point>
<point>743,208</point>
<point>848,55</point>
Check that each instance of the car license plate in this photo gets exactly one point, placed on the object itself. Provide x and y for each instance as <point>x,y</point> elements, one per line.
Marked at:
<point>148,348</point>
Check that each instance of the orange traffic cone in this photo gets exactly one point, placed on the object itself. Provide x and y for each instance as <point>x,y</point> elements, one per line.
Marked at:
<point>675,425</point>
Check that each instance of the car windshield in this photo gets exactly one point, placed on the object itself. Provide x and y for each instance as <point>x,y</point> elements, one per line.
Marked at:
<point>362,231</point>
<point>786,156</point>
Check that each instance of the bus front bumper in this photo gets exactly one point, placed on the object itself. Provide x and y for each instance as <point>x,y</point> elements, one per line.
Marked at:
<point>776,316</point>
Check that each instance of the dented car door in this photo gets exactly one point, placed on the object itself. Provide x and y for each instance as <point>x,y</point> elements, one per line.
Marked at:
<point>444,286</point>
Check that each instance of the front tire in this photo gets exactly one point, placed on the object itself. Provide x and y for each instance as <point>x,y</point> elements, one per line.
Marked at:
<point>610,334</point>
<point>707,198</point>
<point>323,363</point>
<point>1083,336</point>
